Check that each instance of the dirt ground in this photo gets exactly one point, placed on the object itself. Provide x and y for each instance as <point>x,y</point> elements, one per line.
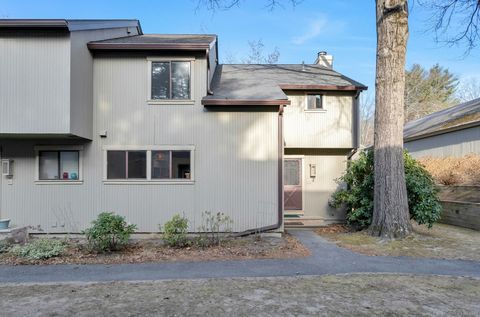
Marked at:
<point>336,295</point>
<point>153,250</point>
<point>442,242</point>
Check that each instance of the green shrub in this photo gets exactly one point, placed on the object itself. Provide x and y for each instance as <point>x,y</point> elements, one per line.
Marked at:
<point>109,232</point>
<point>175,232</point>
<point>213,225</point>
<point>358,195</point>
<point>5,246</point>
<point>40,249</point>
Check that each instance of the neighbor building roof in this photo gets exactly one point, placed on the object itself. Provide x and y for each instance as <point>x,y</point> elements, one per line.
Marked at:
<point>69,25</point>
<point>260,84</point>
<point>157,41</point>
<point>462,116</point>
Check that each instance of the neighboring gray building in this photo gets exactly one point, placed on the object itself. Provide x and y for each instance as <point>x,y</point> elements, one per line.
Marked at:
<point>97,116</point>
<point>454,132</point>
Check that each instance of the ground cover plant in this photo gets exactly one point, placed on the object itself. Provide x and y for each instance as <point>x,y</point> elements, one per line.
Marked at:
<point>357,195</point>
<point>39,249</point>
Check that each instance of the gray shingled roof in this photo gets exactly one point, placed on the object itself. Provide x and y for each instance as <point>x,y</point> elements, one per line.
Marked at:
<point>259,81</point>
<point>161,39</point>
<point>453,118</point>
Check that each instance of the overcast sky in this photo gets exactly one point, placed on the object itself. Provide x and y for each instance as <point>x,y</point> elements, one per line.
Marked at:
<point>344,28</point>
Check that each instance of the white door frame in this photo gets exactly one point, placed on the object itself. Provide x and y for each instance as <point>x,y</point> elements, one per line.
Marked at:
<point>302,179</point>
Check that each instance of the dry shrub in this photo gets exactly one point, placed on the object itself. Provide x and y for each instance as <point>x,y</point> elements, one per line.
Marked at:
<point>454,170</point>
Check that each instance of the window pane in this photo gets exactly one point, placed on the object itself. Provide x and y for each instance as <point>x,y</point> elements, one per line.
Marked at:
<point>181,164</point>
<point>160,164</point>
<point>69,165</point>
<point>137,164</point>
<point>160,80</point>
<point>180,80</point>
<point>48,165</point>
<point>292,172</point>
<point>116,165</point>
<point>314,102</point>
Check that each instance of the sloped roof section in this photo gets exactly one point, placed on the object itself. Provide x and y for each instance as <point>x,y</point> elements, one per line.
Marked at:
<point>265,83</point>
<point>157,41</point>
<point>458,117</point>
<point>68,25</point>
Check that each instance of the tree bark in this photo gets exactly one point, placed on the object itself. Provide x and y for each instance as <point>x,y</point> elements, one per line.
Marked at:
<point>390,214</point>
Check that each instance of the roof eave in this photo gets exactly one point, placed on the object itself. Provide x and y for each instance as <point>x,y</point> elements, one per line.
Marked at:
<point>33,23</point>
<point>322,87</point>
<point>442,131</point>
<point>147,46</point>
<point>244,102</point>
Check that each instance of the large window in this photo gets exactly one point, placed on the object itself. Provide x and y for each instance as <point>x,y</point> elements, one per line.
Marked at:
<point>314,102</point>
<point>170,80</point>
<point>58,165</point>
<point>127,164</point>
<point>155,164</point>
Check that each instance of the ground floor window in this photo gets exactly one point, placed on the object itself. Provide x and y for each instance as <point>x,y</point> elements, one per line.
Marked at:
<point>58,164</point>
<point>152,164</point>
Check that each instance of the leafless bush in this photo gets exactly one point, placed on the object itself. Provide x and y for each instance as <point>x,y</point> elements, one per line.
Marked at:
<point>454,170</point>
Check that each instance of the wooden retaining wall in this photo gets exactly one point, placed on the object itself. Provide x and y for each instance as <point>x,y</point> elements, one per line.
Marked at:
<point>461,206</point>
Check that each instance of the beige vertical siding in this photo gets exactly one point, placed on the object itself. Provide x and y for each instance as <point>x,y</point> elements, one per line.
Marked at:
<point>333,128</point>
<point>235,160</point>
<point>454,144</point>
<point>81,79</point>
<point>34,82</point>
<point>317,190</point>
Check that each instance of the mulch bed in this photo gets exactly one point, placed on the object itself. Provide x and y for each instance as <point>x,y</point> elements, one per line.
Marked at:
<point>152,250</point>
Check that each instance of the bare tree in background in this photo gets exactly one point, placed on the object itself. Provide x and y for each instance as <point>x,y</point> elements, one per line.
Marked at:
<point>468,90</point>
<point>367,112</point>
<point>256,55</point>
<point>455,21</point>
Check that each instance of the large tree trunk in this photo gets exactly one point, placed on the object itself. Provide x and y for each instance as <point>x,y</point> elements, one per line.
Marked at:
<point>390,214</point>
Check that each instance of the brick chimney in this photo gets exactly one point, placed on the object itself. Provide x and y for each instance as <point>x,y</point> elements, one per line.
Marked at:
<point>324,59</point>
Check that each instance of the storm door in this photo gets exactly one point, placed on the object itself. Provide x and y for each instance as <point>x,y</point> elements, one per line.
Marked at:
<point>292,184</point>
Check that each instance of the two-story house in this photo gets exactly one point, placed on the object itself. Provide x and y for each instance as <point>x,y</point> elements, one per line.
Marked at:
<point>97,116</point>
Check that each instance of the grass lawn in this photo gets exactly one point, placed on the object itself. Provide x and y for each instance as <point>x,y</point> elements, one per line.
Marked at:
<point>336,295</point>
<point>442,241</point>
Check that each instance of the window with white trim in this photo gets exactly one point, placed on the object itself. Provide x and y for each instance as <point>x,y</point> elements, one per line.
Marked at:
<point>170,80</point>
<point>61,164</point>
<point>153,164</point>
<point>314,102</point>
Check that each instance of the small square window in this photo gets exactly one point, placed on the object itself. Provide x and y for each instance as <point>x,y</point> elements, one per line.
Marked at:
<point>126,164</point>
<point>314,102</point>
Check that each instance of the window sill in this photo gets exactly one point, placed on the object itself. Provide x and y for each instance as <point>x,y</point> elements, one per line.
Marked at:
<point>59,182</point>
<point>139,182</point>
<point>171,102</point>
<point>317,111</point>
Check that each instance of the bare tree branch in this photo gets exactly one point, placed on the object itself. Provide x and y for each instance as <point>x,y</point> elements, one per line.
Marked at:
<point>221,5</point>
<point>455,21</point>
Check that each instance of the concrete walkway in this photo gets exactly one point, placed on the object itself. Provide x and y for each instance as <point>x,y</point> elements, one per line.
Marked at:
<point>326,258</point>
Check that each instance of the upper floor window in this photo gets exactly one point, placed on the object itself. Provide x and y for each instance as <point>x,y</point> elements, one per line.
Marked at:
<point>170,80</point>
<point>314,102</point>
